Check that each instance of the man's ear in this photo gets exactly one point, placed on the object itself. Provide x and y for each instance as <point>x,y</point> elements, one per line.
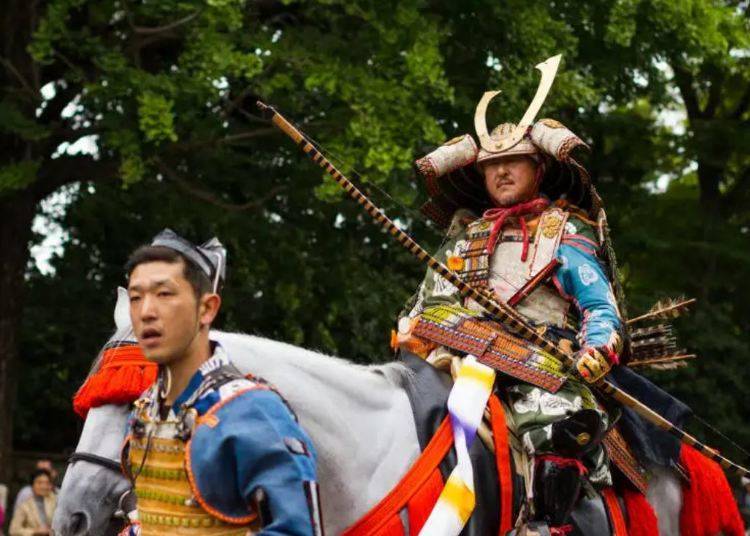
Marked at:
<point>208,308</point>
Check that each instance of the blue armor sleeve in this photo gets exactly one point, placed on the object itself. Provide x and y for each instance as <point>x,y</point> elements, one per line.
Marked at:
<point>581,279</point>
<point>249,444</point>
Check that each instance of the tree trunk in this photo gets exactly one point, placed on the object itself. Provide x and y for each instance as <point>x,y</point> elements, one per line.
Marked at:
<point>15,232</point>
<point>19,85</point>
<point>709,179</point>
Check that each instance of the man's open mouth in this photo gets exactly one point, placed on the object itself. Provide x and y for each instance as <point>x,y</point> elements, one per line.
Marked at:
<point>150,336</point>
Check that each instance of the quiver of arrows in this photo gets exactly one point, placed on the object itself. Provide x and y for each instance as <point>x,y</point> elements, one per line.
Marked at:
<point>654,344</point>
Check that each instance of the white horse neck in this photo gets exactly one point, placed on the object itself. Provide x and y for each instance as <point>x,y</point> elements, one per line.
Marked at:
<point>104,431</point>
<point>358,417</point>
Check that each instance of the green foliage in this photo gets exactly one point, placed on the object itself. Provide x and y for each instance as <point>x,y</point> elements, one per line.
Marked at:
<point>13,121</point>
<point>17,176</point>
<point>52,28</point>
<point>132,167</point>
<point>622,23</point>
<point>155,118</point>
<point>170,87</point>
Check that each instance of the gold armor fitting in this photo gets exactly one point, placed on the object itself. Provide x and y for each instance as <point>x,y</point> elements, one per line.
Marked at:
<point>166,503</point>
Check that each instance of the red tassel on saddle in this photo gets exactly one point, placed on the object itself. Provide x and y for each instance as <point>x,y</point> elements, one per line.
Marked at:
<point>708,505</point>
<point>122,377</point>
<point>642,519</point>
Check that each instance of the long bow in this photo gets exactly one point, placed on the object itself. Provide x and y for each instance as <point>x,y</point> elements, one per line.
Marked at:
<point>503,313</point>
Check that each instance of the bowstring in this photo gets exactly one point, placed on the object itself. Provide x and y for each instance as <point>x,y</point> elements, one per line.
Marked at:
<point>722,435</point>
<point>416,214</point>
<point>420,217</point>
<point>370,186</point>
<point>359,183</point>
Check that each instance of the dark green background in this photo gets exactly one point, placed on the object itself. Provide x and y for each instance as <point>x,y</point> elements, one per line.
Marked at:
<point>658,88</point>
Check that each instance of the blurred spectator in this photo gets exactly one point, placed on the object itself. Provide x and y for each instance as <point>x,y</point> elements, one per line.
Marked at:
<point>34,516</point>
<point>3,505</point>
<point>25,492</point>
<point>745,502</point>
<point>745,493</point>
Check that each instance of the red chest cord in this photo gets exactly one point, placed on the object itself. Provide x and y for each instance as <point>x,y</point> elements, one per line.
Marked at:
<point>500,215</point>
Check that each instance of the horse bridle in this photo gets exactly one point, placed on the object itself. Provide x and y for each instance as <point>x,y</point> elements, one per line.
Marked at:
<point>107,463</point>
<point>110,464</point>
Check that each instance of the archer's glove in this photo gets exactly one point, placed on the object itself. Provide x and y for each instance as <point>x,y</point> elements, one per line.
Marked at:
<point>593,363</point>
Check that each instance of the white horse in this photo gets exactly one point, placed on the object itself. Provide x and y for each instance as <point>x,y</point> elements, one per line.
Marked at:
<point>359,418</point>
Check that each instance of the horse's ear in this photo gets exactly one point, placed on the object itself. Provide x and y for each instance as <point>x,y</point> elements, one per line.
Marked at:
<point>122,310</point>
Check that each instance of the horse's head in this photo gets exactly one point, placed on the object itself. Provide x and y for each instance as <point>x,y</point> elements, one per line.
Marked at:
<point>95,494</point>
<point>94,490</point>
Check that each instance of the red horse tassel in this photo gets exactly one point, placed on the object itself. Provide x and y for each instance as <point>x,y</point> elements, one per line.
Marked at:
<point>708,506</point>
<point>642,519</point>
<point>122,377</point>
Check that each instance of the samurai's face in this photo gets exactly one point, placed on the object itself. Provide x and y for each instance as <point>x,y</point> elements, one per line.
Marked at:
<point>169,320</point>
<point>511,180</point>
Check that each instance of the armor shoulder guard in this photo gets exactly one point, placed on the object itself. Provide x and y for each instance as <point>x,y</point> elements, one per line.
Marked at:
<point>579,225</point>
<point>249,441</point>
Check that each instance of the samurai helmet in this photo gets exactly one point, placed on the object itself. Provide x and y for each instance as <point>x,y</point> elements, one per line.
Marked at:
<point>453,171</point>
<point>501,133</point>
<point>454,177</point>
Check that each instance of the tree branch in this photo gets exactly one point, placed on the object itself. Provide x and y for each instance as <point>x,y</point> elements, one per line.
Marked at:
<point>72,66</point>
<point>146,30</point>
<point>684,80</point>
<point>72,168</point>
<point>248,134</point>
<point>213,142</point>
<point>210,197</point>
<point>12,69</point>
<point>235,102</point>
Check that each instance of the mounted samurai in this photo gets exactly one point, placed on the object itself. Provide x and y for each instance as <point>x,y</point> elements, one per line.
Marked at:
<point>524,285</point>
<point>526,226</point>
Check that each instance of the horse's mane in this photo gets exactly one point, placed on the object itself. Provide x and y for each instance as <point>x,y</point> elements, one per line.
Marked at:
<point>311,361</point>
<point>123,335</point>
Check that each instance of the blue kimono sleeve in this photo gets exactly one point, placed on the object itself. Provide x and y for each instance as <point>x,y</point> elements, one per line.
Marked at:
<point>253,443</point>
<point>581,279</point>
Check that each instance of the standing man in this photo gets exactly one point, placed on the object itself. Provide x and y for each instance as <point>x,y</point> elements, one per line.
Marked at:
<point>541,255</point>
<point>209,451</point>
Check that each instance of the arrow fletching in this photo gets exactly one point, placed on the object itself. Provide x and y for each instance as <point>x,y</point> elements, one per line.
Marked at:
<point>665,309</point>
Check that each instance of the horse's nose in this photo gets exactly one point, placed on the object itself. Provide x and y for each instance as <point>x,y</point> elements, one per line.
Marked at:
<point>79,524</point>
